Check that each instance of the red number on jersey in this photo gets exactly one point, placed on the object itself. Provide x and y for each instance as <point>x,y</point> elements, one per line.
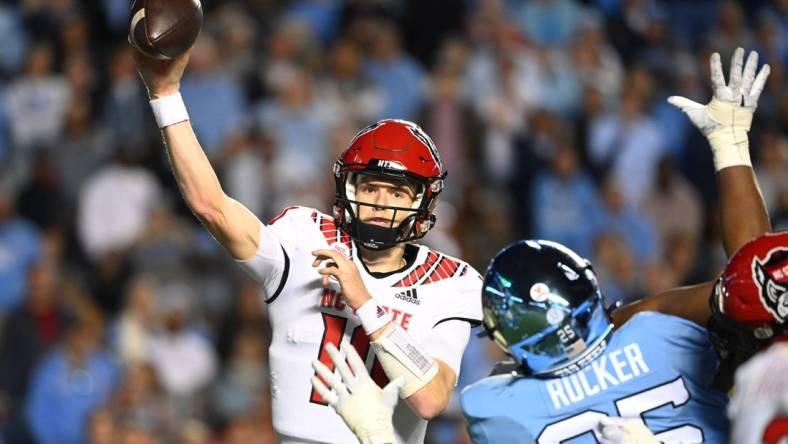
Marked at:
<point>334,330</point>
<point>776,430</point>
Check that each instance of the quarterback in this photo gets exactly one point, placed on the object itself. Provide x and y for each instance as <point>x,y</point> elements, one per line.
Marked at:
<point>353,277</point>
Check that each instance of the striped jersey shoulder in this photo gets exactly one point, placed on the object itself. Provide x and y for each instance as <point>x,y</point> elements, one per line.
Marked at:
<point>326,224</point>
<point>435,267</point>
<point>332,233</point>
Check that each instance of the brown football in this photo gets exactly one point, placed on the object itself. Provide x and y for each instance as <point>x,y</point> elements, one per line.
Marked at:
<point>164,29</point>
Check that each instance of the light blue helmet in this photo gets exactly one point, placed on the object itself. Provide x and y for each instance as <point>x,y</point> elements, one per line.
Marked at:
<point>543,306</point>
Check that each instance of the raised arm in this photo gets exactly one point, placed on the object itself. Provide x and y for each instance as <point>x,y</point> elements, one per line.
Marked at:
<point>725,122</point>
<point>232,224</point>
<point>742,210</point>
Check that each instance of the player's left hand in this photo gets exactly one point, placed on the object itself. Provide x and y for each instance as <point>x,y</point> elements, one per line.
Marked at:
<point>366,408</point>
<point>726,120</point>
<point>741,93</point>
<point>336,265</point>
<point>625,431</point>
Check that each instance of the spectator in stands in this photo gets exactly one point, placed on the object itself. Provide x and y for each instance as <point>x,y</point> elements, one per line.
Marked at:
<point>70,382</point>
<point>20,249</point>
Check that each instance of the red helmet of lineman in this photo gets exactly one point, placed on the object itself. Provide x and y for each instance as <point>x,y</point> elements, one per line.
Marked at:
<point>395,150</point>
<point>750,300</point>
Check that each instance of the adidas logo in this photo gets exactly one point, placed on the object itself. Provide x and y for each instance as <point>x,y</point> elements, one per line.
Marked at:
<point>408,296</point>
<point>380,312</point>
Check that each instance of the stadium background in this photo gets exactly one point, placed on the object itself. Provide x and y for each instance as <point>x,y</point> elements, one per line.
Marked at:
<point>121,318</point>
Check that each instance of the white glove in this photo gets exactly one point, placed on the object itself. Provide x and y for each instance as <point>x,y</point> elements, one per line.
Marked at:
<point>725,121</point>
<point>366,408</point>
<point>617,430</point>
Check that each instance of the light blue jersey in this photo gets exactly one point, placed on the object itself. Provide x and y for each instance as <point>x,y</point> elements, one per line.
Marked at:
<point>655,366</point>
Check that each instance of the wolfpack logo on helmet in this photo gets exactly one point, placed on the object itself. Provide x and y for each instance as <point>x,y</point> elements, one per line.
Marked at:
<point>771,277</point>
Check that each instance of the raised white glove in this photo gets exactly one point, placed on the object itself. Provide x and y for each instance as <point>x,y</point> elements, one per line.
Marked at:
<point>726,120</point>
<point>366,408</point>
<point>617,430</point>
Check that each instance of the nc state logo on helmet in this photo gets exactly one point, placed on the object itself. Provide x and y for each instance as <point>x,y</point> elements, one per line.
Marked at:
<point>750,301</point>
<point>754,286</point>
<point>396,150</point>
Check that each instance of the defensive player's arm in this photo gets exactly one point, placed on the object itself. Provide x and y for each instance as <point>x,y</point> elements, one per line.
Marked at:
<point>742,209</point>
<point>744,217</point>
<point>725,122</point>
<point>232,224</point>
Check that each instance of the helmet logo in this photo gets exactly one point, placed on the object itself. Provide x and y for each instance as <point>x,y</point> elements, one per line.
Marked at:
<point>555,315</point>
<point>771,277</point>
<point>391,165</point>
<point>539,292</point>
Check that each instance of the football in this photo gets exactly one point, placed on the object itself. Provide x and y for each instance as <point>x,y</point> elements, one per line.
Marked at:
<point>164,29</point>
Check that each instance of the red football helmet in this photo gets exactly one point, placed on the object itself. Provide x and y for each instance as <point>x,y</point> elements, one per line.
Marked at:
<point>750,300</point>
<point>393,149</point>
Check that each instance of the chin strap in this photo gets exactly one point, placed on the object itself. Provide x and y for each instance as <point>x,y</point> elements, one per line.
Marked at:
<point>376,237</point>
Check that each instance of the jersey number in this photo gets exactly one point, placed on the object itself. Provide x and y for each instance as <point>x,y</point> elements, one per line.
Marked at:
<point>333,333</point>
<point>776,430</point>
<point>674,393</point>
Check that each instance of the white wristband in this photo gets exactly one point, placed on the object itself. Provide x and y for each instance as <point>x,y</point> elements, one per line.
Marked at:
<point>729,142</point>
<point>401,356</point>
<point>373,316</point>
<point>169,110</point>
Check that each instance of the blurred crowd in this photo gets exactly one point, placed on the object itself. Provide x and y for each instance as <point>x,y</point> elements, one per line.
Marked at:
<point>122,321</point>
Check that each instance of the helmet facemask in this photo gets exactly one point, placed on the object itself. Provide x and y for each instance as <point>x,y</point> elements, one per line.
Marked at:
<point>734,341</point>
<point>415,225</point>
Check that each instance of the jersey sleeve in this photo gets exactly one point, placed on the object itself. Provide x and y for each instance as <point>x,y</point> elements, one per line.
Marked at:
<point>447,342</point>
<point>279,239</point>
<point>464,299</point>
<point>691,352</point>
<point>451,327</point>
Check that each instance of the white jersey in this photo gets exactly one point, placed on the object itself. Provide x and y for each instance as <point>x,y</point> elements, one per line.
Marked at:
<point>435,298</point>
<point>759,405</point>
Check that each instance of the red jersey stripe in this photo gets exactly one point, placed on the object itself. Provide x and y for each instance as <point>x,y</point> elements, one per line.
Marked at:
<point>444,270</point>
<point>419,272</point>
<point>329,229</point>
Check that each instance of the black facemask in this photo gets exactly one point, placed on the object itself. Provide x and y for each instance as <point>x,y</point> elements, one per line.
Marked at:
<point>377,237</point>
<point>734,342</point>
